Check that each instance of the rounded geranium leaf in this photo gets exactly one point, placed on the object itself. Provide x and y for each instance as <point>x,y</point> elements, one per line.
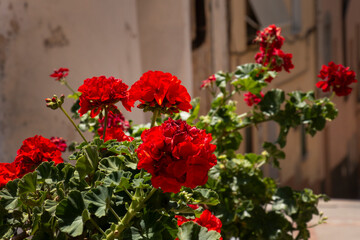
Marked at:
<point>98,200</point>
<point>70,214</point>
<point>192,230</point>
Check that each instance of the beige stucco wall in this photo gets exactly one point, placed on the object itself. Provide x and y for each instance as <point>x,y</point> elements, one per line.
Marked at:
<point>90,38</point>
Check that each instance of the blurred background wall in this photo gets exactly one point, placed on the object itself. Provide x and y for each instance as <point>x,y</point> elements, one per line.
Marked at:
<point>191,39</point>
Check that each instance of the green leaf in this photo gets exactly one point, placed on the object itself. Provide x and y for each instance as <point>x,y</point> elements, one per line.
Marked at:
<point>88,163</point>
<point>70,214</point>
<point>112,164</point>
<point>119,180</point>
<point>272,101</point>
<point>9,197</point>
<point>193,231</point>
<point>205,196</point>
<point>50,206</point>
<point>284,200</point>
<point>47,173</point>
<point>98,200</point>
<point>28,183</point>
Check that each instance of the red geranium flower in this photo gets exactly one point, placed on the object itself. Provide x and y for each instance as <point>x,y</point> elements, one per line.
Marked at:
<point>114,120</point>
<point>336,78</point>
<point>59,142</point>
<point>208,82</point>
<point>33,152</point>
<point>176,155</point>
<point>116,133</point>
<point>270,54</point>
<point>99,92</point>
<point>206,219</point>
<point>60,73</point>
<point>159,90</point>
<point>252,99</point>
<point>270,37</point>
<point>7,173</point>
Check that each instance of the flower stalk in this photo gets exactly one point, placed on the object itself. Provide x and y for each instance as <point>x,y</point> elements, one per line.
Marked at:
<point>72,122</point>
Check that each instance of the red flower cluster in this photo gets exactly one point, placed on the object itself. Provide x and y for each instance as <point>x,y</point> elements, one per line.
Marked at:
<point>100,92</point>
<point>116,133</point>
<point>270,54</point>
<point>337,78</point>
<point>208,82</point>
<point>176,155</point>
<point>59,142</point>
<point>206,219</point>
<point>252,99</point>
<point>60,73</point>
<point>270,37</point>
<point>31,154</point>
<point>114,120</point>
<point>159,90</point>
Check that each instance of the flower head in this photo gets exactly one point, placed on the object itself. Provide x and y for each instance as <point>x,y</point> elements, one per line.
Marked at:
<point>159,90</point>
<point>33,152</point>
<point>116,133</point>
<point>176,155</point>
<point>270,37</point>
<point>336,77</point>
<point>7,173</point>
<point>208,82</point>
<point>100,92</point>
<point>114,120</point>
<point>59,142</point>
<point>60,74</point>
<point>206,219</point>
<point>270,54</point>
<point>252,99</point>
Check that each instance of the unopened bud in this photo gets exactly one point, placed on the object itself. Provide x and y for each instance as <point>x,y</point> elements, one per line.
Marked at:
<point>55,102</point>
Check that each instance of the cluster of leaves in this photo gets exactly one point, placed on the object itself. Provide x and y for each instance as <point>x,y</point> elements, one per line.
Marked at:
<point>93,200</point>
<point>248,199</point>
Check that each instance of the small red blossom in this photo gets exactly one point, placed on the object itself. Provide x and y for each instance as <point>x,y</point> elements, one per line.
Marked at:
<point>100,92</point>
<point>276,60</point>
<point>252,99</point>
<point>114,120</point>
<point>7,173</point>
<point>336,77</point>
<point>116,133</point>
<point>59,142</point>
<point>206,219</point>
<point>60,73</point>
<point>208,82</point>
<point>193,206</point>
<point>33,152</point>
<point>270,37</point>
<point>159,90</point>
<point>176,154</point>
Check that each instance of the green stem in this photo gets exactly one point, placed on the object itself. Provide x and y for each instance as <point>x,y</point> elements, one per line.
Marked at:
<point>68,86</point>
<point>115,214</point>
<point>97,226</point>
<point>77,129</point>
<point>136,205</point>
<point>105,121</point>
<point>154,117</point>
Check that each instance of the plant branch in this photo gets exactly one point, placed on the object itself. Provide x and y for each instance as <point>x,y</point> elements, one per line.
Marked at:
<point>105,121</point>
<point>77,129</point>
<point>97,227</point>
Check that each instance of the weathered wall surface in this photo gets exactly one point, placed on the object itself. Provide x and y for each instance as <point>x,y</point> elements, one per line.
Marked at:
<point>90,38</point>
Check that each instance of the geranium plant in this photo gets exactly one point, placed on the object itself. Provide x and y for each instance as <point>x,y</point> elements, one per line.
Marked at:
<point>179,177</point>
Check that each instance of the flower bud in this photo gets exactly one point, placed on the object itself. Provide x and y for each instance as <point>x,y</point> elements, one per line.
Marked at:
<point>55,102</point>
